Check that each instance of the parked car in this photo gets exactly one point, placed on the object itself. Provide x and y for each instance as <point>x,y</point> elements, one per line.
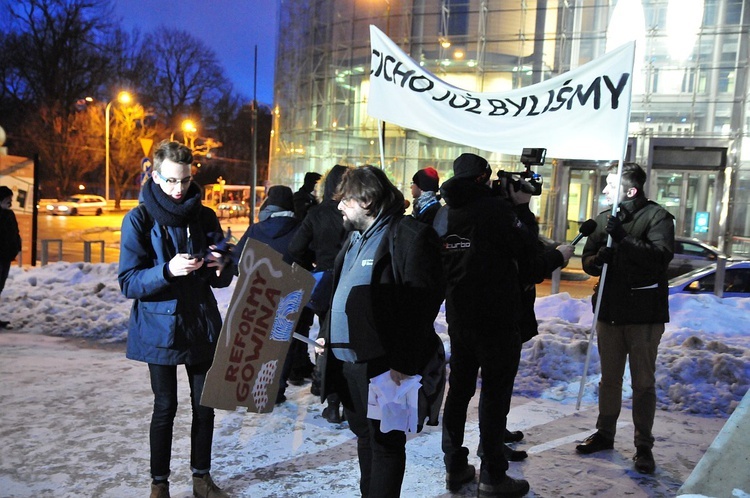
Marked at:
<point>702,280</point>
<point>78,204</point>
<point>690,254</point>
<point>232,209</point>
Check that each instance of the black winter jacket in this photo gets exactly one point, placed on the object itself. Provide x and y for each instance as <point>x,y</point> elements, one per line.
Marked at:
<point>10,240</point>
<point>322,232</point>
<point>635,286</point>
<point>483,239</point>
<point>406,289</point>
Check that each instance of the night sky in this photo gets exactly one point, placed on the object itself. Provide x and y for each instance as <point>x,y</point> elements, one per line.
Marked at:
<point>232,28</point>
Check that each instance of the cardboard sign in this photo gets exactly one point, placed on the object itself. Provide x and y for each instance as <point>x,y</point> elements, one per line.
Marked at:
<point>256,333</point>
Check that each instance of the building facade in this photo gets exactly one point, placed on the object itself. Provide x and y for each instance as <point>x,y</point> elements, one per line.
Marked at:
<point>689,115</point>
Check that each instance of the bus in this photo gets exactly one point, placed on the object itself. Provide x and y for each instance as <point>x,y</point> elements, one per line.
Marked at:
<point>231,200</point>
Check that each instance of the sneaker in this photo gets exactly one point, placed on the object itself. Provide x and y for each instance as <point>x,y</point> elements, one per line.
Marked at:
<point>280,398</point>
<point>454,480</point>
<point>513,436</point>
<point>593,443</point>
<point>514,455</point>
<point>508,488</point>
<point>644,460</point>
<point>160,490</point>
<point>4,324</point>
<point>204,487</point>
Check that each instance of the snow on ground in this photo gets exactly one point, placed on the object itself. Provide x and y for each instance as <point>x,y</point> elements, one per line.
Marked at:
<point>75,411</point>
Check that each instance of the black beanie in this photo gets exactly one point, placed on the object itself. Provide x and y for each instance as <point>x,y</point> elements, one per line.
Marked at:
<point>470,165</point>
<point>280,196</point>
<point>426,179</point>
<point>5,192</point>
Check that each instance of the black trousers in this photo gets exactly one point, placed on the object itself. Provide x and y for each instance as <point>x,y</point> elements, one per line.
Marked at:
<point>164,386</point>
<point>497,353</point>
<point>382,456</point>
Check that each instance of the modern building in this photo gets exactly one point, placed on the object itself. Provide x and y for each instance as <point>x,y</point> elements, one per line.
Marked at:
<point>689,115</point>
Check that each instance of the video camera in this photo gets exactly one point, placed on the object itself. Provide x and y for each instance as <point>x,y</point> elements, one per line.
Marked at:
<point>527,181</point>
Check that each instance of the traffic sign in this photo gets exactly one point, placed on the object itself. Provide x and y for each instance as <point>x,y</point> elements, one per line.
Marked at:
<point>145,169</point>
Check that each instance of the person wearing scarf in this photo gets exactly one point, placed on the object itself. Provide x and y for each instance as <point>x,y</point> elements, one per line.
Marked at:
<point>424,187</point>
<point>167,267</point>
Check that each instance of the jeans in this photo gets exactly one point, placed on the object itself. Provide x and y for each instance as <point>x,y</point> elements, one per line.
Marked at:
<point>164,386</point>
<point>382,456</point>
<point>498,354</point>
<point>640,343</point>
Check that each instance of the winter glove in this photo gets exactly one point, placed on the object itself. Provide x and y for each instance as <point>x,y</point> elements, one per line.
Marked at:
<point>605,255</point>
<point>614,228</point>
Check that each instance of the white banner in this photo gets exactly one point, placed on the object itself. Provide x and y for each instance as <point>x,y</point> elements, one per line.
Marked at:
<point>581,114</point>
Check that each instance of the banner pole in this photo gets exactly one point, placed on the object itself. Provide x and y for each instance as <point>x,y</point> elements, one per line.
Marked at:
<point>381,142</point>
<point>603,276</point>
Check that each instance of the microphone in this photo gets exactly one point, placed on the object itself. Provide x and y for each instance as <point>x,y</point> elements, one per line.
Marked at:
<point>586,229</point>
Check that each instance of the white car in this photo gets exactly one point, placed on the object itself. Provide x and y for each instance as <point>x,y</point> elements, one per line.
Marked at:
<point>701,280</point>
<point>78,204</point>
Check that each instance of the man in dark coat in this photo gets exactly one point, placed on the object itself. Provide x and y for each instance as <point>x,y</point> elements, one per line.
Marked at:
<point>304,198</point>
<point>167,268</point>
<point>277,228</point>
<point>10,238</point>
<point>483,239</point>
<point>388,287</point>
<point>634,307</point>
<point>322,232</point>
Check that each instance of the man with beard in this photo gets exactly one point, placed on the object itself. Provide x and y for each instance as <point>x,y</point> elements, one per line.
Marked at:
<point>634,307</point>
<point>388,287</point>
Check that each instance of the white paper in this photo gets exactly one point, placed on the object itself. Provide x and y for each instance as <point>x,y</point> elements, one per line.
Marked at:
<point>394,405</point>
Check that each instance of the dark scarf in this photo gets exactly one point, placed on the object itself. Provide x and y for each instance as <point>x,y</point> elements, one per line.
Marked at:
<point>165,210</point>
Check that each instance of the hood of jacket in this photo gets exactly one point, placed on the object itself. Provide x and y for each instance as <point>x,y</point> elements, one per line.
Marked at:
<point>458,192</point>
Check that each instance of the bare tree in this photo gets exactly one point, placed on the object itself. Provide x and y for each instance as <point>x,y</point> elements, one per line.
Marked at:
<point>130,125</point>
<point>186,78</point>
<point>57,51</point>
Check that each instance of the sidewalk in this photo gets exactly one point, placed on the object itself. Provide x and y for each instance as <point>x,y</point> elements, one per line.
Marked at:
<point>75,423</point>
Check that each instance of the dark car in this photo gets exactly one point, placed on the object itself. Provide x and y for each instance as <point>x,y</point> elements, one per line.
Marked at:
<point>702,280</point>
<point>690,254</point>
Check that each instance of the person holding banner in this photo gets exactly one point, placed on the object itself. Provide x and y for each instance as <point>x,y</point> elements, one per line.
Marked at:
<point>483,240</point>
<point>634,306</point>
<point>167,267</point>
<point>388,287</point>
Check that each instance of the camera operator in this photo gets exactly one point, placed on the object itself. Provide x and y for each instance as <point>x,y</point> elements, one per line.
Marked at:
<point>483,238</point>
<point>533,268</point>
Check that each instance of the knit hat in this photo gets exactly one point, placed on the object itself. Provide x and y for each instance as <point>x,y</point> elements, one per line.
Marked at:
<point>5,192</point>
<point>426,179</point>
<point>470,165</point>
<point>280,196</point>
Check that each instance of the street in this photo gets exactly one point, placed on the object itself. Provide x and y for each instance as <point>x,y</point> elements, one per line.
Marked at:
<point>70,234</point>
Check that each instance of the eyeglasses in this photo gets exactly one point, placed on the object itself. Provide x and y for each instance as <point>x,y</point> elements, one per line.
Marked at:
<point>172,182</point>
<point>347,201</point>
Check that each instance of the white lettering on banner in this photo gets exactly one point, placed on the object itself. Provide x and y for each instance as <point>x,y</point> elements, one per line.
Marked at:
<point>581,114</point>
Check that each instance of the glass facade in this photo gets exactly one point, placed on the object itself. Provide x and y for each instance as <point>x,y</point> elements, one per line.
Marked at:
<point>689,107</point>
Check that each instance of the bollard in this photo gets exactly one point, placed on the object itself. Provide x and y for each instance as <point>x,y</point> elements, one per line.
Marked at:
<point>719,279</point>
<point>45,249</point>
<point>87,250</point>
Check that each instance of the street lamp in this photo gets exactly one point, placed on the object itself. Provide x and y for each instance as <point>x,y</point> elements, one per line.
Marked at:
<point>188,133</point>
<point>123,98</point>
